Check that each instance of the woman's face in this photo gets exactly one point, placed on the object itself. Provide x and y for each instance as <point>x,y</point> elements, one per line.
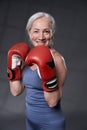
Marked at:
<point>40,32</point>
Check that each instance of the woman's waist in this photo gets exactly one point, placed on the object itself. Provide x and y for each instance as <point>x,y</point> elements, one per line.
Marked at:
<point>41,107</point>
<point>36,103</point>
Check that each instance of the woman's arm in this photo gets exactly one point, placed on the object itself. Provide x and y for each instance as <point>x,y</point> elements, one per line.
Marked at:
<point>52,98</point>
<point>16,87</point>
<point>61,73</point>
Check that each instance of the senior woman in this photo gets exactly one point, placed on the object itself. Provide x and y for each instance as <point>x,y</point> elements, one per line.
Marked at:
<point>43,108</point>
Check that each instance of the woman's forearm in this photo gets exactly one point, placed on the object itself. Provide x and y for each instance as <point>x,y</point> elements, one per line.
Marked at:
<point>16,87</point>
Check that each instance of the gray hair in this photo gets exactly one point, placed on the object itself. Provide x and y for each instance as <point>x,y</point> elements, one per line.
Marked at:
<point>39,15</point>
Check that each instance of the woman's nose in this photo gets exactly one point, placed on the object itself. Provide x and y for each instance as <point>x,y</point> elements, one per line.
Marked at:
<point>41,35</point>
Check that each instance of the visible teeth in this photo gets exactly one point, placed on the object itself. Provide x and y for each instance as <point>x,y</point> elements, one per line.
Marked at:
<point>42,42</point>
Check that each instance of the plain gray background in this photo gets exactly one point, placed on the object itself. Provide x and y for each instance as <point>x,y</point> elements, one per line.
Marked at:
<point>70,41</point>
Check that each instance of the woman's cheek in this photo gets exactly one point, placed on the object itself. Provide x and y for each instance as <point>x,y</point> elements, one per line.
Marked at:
<point>49,37</point>
<point>33,38</point>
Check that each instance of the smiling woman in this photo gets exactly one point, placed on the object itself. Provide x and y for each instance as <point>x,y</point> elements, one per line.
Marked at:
<point>42,30</point>
<point>36,72</point>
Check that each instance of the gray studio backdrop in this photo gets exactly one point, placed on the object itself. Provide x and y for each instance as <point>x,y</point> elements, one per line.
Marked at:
<point>70,41</point>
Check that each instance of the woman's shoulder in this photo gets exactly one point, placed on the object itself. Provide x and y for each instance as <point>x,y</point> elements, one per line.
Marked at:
<point>58,58</point>
<point>56,55</point>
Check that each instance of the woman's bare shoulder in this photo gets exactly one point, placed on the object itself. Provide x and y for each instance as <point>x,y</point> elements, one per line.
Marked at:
<point>56,55</point>
<point>58,58</point>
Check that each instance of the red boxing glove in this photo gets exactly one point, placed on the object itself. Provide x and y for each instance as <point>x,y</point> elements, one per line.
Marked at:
<point>16,60</point>
<point>41,56</point>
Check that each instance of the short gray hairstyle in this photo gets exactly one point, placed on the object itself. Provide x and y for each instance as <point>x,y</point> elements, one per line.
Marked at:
<point>39,15</point>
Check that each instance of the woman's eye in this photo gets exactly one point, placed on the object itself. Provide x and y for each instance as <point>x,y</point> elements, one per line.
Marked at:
<point>47,31</point>
<point>35,31</point>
